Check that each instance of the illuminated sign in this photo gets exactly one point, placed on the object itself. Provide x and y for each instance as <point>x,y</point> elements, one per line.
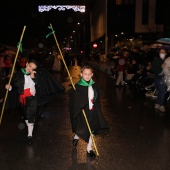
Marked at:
<point>76,8</point>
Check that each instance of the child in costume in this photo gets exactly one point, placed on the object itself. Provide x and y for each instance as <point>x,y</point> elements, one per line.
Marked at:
<point>86,97</point>
<point>25,83</point>
<point>33,87</point>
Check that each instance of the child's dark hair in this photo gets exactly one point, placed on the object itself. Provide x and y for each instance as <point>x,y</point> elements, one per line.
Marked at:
<point>86,67</point>
<point>33,61</point>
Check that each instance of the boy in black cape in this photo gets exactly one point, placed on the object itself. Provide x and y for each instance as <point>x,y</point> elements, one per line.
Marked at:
<point>86,97</point>
<point>32,87</point>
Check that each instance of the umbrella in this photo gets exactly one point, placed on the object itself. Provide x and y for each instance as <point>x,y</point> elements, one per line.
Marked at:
<point>156,45</point>
<point>115,48</point>
<point>167,48</point>
<point>164,40</point>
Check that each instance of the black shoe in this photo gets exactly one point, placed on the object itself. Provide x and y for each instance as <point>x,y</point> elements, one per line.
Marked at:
<point>91,154</point>
<point>30,140</point>
<point>75,142</point>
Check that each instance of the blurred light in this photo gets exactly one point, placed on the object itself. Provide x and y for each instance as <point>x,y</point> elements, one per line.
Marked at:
<point>40,45</point>
<point>67,48</point>
<point>94,45</point>
<point>43,8</point>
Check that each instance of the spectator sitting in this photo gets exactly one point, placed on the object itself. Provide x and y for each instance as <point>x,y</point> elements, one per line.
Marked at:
<point>131,70</point>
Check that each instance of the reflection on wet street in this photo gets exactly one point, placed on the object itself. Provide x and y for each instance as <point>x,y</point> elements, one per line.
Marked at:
<point>139,136</point>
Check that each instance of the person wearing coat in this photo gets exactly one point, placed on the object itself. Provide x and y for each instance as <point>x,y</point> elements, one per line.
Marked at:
<point>86,97</point>
<point>32,87</point>
<point>159,79</point>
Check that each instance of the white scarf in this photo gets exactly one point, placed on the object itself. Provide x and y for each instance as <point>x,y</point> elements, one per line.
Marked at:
<point>29,83</point>
<point>91,97</point>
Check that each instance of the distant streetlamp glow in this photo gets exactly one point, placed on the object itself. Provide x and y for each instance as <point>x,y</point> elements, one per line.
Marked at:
<point>94,45</point>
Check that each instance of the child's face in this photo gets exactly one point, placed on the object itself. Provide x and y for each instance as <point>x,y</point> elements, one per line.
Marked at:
<point>87,74</point>
<point>30,67</point>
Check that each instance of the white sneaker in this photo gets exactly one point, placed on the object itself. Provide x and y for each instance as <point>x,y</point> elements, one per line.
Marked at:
<point>157,106</point>
<point>162,109</point>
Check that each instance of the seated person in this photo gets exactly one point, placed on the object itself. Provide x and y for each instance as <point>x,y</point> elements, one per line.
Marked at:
<point>131,70</point>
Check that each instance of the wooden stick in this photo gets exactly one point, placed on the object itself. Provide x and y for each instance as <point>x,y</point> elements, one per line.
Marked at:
<point>19,45</point>
<point>75,89</point>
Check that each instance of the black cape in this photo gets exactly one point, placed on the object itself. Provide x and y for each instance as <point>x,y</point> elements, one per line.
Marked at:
<point>78,101</point>
<point>47,87</point>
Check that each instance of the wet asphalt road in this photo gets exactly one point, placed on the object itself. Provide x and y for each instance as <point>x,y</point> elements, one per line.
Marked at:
<point>139,137</point>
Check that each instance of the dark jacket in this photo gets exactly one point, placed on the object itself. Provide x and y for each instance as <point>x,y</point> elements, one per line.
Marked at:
<point>47,87</point>
<point>78,101</point>
<point>18,82</point>
<point>157,68</point>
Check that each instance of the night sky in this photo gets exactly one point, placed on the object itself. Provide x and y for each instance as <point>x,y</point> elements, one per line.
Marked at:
<point>16,14</point>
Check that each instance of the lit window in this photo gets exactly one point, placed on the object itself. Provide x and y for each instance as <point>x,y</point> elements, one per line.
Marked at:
<point>118,2</point>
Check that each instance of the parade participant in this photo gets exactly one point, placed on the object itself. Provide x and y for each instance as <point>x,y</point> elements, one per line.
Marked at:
<point>25,82</point>
<point>33,86</point>
<point>86,97</point>
<point>57,63</point>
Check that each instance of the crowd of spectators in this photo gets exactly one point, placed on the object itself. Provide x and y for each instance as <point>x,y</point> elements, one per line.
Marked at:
<point>134,68</point>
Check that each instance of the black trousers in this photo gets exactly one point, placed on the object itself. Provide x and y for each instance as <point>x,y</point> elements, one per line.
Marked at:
<point>28,111</point>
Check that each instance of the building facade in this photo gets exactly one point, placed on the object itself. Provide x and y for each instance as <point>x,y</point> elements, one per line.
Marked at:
<point>128,22</point>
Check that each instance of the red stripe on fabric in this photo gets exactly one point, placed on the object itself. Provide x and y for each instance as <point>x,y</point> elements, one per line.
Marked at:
<point>25,94</point>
